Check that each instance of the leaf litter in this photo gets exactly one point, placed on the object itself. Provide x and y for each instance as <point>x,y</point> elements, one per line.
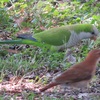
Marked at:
<point>16,84</point>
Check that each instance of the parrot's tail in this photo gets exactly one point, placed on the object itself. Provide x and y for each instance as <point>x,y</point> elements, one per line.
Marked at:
<point>22,41</point>
<point>48,86</point>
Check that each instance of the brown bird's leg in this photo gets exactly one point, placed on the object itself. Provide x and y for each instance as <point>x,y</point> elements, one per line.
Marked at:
<point>48,86</point>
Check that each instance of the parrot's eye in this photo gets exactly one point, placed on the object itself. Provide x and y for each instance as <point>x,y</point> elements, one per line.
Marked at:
<point>92,33</point>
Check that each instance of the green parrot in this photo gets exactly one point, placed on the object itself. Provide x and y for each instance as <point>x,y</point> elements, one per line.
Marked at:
<point>58,38</point>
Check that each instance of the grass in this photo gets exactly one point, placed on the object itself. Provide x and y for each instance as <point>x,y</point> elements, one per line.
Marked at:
<point>43,14</point>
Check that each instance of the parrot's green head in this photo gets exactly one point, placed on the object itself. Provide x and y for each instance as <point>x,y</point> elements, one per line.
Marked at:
<point>90,31</point>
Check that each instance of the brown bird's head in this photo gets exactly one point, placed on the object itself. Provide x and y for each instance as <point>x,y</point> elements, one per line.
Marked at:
<point>93,55</point>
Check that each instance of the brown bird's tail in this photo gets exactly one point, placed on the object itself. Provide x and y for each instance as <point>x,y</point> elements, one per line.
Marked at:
<point>52,84</point>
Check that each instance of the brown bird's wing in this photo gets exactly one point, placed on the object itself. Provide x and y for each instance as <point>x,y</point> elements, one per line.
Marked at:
<point>74,74</point>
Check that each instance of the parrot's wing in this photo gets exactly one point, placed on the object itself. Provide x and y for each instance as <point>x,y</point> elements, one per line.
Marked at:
<point>26,36</point>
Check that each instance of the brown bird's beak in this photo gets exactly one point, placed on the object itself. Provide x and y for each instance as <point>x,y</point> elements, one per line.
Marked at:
<point>93,38</point>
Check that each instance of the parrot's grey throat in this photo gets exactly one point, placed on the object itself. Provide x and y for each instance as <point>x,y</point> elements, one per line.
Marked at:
<point>76,38</point>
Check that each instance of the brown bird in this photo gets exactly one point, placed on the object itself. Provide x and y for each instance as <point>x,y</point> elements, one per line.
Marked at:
<point>78,75</point>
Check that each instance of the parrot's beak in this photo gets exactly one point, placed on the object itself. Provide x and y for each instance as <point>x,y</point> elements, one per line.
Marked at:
<point>93,38</point>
